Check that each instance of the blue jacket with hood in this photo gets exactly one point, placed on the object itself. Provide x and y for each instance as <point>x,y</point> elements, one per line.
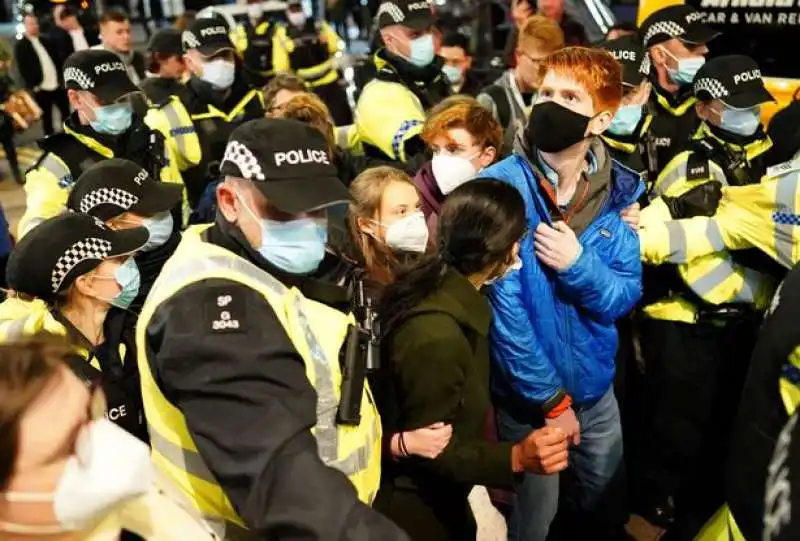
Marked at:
<point>553,332</point>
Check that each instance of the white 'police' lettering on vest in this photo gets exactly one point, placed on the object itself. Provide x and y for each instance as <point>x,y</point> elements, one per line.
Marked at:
<point>745,76</point>
<point>213,31</point>
<point>225,310</point>
<point>109,66</point>
<point>294,157</point>
<point>140,177</point>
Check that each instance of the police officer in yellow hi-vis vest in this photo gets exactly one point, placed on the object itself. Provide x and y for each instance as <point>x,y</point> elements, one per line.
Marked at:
<point>409,81</point>
<point>75,277</point>
<point>308,48</point>
<point>219,96</point>
<point>697,335</point>
<point>103,126</point>
<point>241,380</point>
<point>255,39</point>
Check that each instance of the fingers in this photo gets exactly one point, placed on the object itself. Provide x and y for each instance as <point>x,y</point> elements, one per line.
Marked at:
<point>561,226</point>
<point>545,231</point>
<point>554,459</point>
<point>549,436</point>
<point>576,437</point>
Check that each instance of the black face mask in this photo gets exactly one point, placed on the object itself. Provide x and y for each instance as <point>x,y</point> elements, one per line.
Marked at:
<point>553,128</point>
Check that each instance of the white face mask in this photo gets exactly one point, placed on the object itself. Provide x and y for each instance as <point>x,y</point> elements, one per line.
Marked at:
<point>451,172</point>
<point>297,18</point>
<point>408,234</point>
<point>219,73</point>
<point>514,267</point>
<point>110,467</point>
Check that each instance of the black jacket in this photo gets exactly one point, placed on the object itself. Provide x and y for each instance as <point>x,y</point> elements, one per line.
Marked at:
<point>249,408</point>
<point>674,123</point>
<point>438,355</point>
<point>28,61</point>
<point>159,89</point>
<point>62,42</point>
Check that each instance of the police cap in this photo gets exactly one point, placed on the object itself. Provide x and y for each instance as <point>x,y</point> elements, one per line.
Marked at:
<point>414,14</point>
<point>167,41</point>
<point>52,255</point>
<point>208,36</point>
<point>115,186</point>
<point>288,161</point>
<point>631,56</point>
<point>735,80</point>
<point>100,72</point>
<point>681,22</point>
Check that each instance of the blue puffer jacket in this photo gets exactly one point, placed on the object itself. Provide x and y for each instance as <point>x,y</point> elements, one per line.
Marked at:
<point>554,331</point>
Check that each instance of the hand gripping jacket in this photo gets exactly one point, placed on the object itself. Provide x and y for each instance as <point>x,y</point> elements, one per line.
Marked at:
<point>356,451</point>
<point>716,278</point>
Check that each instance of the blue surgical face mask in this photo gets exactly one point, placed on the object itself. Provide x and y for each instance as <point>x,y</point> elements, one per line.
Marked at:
<point>686,70</point>
<point>112,119</point>
<point>128,278</point>
<point>626,120</point>
<point>296,246</point>
<point>453,74</point>
<point>422,51</point>
<point>741,122</point>
<point>219,73</point>
<point>160,228</point>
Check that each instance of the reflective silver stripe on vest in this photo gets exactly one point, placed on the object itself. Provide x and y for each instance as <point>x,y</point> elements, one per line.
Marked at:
<point>663,184</point>
<point>325,431</point>
<point>56,167</point>
<point>785,198</point>
<point>14,328</point>
<point>343,136</point>
<point>177,130</point>
<point>709,281</point>
<point>677,242</point>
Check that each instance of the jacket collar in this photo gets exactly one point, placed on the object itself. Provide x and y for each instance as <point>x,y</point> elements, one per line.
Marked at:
<point>458,298</point>
<point>408,73</point>
<point>106,145</point>
<point>628,143</point>
<point>753,146</point>
<point>676,105</point>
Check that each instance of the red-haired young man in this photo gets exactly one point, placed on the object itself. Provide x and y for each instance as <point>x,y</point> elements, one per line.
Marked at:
<point>553,333</point>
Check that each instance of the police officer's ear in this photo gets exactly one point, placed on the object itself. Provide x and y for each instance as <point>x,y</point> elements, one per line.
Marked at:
<point>704,110</point>
<point>74,98</point>
<point>658,57</point>
<point>192,63</point>
<point>227,202</point>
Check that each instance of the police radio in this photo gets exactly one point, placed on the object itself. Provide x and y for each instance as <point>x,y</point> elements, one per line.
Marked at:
<point>361,355</point>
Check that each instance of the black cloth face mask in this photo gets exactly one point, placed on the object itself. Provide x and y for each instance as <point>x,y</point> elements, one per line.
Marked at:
<point>553,127</point>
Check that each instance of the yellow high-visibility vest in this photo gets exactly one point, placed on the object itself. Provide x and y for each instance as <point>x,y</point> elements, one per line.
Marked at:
<point>316,331</point>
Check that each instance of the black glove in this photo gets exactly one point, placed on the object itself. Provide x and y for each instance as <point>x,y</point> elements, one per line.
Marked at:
<point>701,200</point>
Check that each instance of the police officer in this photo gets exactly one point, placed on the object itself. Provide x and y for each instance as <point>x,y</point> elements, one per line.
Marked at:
<point>625,137</point>
<point>104,125</point>
<point>83,278</point>
<point>219,96</point>
<point>409,78</point>
<point>255,45</point>
<point>308,48</point>
<point>675,38</point>
<point>698,336</point>
<point>165,62</point>
<point>238,365</point>
<point>124,196</point>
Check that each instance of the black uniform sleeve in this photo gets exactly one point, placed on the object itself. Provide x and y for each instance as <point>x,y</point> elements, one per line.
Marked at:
<point>223,358</point>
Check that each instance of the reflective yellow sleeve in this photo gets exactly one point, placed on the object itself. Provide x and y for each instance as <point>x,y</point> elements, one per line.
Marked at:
<point>655,213</point>
<point>680,241</point>
<point>177,127</point>
<point>388,115</point>
<point>281,47</point>
<point>790,392</point>
<point>239,39</point>
<point>44,198</point>
<point>331,37</point>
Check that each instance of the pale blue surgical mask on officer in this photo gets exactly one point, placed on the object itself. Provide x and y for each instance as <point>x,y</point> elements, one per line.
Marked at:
<point>112,119</point>
<point>626,120</point>
<point>296,246</point>
<point>128,278</point>
<point>687,68</point>
<point>422,51</point>
<point>219,73</point>
<point>453,74</point>
<point>160,228</point>
<point>742,122</point>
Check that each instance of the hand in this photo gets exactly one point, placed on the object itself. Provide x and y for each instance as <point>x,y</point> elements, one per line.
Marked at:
<point>568,423</point>
<point>557,246</point>
<point>520,12</point>
<point>631,216</point>
<point>543,451</point>
<point>701,200</point>
<point>429,441</point>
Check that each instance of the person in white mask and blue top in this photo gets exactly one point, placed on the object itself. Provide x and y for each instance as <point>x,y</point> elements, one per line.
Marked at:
<point>676,39</point>
<point>75,277</point>
<point>124,196</point>
<point>625,136</point>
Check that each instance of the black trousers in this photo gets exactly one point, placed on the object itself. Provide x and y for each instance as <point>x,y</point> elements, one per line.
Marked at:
<point>335,98</point>
<point>694,374</point>
<point>47,99</point>
<point>7,140</point>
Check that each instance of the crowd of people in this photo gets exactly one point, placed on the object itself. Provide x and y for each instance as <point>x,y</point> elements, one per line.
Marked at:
<point>238,309</point>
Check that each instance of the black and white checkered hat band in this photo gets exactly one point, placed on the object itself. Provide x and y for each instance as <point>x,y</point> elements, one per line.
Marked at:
<point>83,250</point>
<point>670,28</point>
<point>79,76</point>
<point>240,156</point>
<point>190,41</point>
<point>392,10</point>
<point>111,196</point>
<point>645,67</point>
<point>712,86</point>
